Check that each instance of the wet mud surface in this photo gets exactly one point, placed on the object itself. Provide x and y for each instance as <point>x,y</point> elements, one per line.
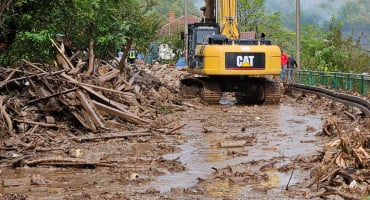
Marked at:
<point>221,152</point>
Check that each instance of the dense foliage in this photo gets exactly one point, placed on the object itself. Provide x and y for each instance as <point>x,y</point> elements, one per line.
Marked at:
<point>109,23</point>
<point>333,44</point>
<point>327,49</point>
<point>252,16</point>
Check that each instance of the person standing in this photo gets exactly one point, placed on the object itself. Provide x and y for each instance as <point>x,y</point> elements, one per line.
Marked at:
<point>291,65</point>
<point>284,61</point>
<point>154,51</point>
<point>132,55</point>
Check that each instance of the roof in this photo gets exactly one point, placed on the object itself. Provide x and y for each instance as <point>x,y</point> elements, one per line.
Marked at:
<point>177,25</point>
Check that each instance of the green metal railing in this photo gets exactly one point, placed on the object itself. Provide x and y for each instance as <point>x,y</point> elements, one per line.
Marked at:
<point>359,83</point>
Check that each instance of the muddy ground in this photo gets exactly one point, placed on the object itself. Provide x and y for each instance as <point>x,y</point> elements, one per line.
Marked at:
<point>224,151</point>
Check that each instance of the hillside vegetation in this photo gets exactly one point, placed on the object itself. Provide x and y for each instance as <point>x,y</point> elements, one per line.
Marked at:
<point>338,41</point>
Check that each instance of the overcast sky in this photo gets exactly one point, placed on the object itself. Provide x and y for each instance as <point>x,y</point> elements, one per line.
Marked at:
<point>325,8</point>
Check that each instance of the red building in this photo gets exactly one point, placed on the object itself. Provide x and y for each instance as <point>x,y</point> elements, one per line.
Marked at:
<point>175,25</point>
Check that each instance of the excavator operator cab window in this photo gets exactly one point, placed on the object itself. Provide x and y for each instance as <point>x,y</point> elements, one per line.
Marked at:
<point>203,35</point>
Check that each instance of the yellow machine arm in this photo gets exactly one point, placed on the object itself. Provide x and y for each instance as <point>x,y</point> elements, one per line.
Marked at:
<point>228,18</point>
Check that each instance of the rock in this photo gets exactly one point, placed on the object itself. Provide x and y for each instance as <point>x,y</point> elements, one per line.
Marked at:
<point>37,179</point>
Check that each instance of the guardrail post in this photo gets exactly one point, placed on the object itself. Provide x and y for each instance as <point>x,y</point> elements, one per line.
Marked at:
<point>335,81</point>
<point>349,82</point>
<point>363,84</point>
<point>323,81</point>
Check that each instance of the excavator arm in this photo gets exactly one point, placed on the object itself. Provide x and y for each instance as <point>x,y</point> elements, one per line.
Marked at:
<point>228,19</point>
<point>226,14</point>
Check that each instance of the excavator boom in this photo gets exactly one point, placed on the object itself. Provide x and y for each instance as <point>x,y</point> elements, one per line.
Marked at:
<point>228,19</point>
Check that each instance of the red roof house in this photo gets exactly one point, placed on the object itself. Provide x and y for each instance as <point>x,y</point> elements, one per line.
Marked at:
<point>176,25</point>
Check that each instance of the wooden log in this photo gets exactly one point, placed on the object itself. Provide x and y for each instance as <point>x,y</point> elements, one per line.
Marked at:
<point>342,194</point>
<point>124,115</point>
<point>32,65</point>
<point>40,123</point>
<point>175,129</point>
<point>132,79</point>
<point>122,64</point>
<point>122,107</point>
<point>230,144</point>
<point>121,87</point>
<point>6,116</point>
<point>52,95</point>
<point>66,63</point>
<point>350,115</point>
<point>108,76</point>
<point>9,76</point>
<point>99,96</point>
<point>85,122</point>
<point>74,55</point>
<point>90,109</point>
<point>88,86</point>
<point>91,58</point>
<point>112,136</point>
<point>31,131</point>
<point>119,82</point>
<point>60,161</point>
<point>191,105</point>
<point>5,82</point>
<point>61,61</point>
<point>78,68</point>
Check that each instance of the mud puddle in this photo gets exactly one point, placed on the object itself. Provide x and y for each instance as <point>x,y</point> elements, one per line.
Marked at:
<point>273,135</point>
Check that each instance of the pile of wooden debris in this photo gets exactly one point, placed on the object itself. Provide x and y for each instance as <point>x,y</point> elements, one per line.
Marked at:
<point>344,169</point>
<point>82,96</point>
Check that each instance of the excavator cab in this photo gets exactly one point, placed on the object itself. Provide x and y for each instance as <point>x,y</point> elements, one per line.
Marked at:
<point>200,34</point>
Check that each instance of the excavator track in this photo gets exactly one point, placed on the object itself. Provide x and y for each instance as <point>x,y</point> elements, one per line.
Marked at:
<point>273,93</point>
<point>208,90</point>
<point>211,92</point>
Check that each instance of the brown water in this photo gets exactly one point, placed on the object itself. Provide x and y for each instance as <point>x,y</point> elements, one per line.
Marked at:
<point>281,131</point>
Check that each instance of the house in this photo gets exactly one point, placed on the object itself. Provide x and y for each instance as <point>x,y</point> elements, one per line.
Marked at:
<point>176,25</point>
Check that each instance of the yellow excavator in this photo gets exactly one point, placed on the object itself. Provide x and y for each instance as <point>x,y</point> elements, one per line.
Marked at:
<point>224,62</point>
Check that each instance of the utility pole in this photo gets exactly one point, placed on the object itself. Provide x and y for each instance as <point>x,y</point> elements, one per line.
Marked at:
<point>186,31</point>
<point>298,30</point>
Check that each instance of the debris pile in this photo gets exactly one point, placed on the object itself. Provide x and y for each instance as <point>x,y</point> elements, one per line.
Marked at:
<point>344,168</point>
<point>84,96</point>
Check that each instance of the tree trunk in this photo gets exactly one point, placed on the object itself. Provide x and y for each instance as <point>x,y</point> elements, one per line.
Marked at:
<point>121,65</point>
<point>91,58</point>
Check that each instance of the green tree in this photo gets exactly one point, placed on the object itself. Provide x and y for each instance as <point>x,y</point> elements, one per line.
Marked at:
<point>327,49</point>
<point>252,16</point>
<point>111,24</point>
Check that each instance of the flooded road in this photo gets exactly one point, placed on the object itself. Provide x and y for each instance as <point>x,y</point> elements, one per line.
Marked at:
<point>272,134</point>
<point>222,152</point>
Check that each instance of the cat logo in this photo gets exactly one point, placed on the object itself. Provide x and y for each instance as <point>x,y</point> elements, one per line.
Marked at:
<point>244,61</point>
